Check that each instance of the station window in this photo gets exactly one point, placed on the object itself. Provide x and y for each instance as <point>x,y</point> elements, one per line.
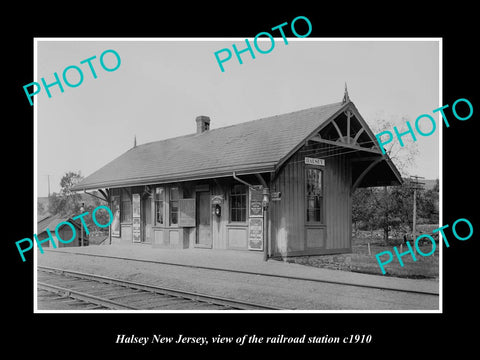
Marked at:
<point>126,207</point>
<point>159,205</point>
<point>238,203</point>
<point>314,195</point>
<point>174,205</point>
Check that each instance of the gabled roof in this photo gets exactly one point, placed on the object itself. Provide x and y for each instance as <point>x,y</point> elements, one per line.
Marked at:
<point>249,147</point>
<point>52,221</point>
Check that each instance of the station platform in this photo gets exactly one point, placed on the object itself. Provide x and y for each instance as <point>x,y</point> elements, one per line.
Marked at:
<point>249,262</point>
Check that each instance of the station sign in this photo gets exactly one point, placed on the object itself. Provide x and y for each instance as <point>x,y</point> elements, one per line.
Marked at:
<point>314,161</point>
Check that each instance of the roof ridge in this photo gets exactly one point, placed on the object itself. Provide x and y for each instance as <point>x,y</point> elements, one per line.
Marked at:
<point>282,114</point>
<point>237,124</point>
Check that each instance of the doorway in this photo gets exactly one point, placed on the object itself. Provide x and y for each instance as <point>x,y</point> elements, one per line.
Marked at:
<point>203,220</point>
<point>146,217</point>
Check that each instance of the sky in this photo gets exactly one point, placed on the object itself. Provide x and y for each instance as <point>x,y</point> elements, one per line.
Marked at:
<point>162,85</point>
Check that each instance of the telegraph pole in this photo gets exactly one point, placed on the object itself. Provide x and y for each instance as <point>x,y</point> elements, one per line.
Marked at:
<point>415,185</point>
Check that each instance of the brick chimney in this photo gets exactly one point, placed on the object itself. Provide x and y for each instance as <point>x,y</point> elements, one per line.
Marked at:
<point>203,123</point>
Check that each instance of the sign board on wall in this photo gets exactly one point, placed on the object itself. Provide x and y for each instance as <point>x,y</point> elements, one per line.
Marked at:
<point>276,196</point>
<point>136,217</point>
<point>314,161</point>
<point>217,199</point>
<point>136,205</point>
<point>255,234</point>
<point>255,201</point>
<point>136,229</point>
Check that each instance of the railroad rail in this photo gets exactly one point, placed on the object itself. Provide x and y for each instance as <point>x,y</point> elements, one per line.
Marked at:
<point>291,277</point>
<point>102,292</point>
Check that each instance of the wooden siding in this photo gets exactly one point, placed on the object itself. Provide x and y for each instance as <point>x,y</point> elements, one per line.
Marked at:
<point>338,202</point>
<point>290,233</point>
<point>288,215</point>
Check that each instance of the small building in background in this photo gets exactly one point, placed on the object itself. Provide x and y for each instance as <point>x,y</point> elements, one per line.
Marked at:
<point>64,231</point>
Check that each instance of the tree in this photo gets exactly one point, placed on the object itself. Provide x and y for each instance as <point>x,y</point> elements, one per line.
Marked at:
<point>377,208</point>
<point>68,180</point>
<point>390,203</point>
<point>363,209</point>
<point>427,205</point>
<point>391,208</point>
<point>67,202</point>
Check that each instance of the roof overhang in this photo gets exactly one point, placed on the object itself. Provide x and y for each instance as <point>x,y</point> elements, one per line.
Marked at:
<point>179,177</point>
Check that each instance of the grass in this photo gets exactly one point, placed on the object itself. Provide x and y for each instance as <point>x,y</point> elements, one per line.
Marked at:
<point>425,267</point>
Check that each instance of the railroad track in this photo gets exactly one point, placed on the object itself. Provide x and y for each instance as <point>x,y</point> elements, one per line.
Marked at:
<point>77,290</point>
<point>369,286</point>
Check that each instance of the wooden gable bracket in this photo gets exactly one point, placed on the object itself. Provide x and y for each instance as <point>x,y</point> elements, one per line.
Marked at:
<point>343,144</point>
<point>147,191</point>
<point>128,192</point>
<point>262,180</point>
<point>355,139</point>
<point>340,136</point>
<point>105,194</point>
<point>365,172</point>
<point>98,197</point>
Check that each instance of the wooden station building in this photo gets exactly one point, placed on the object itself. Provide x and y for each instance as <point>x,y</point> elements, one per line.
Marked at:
<point>281,184</point>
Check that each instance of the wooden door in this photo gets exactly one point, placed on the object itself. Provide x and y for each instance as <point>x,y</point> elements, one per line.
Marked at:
<point>203,220</point>
<point>146,219</point>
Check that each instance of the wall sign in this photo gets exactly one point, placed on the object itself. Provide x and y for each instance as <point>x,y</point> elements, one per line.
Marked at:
<point>255,234</point>
<point>136,205</point>
<point>136,217</point>
<point>276,196</point>
<point>136,229</point>
<point>256,197</point>
<point>314,161</point>
<point>217,199</point>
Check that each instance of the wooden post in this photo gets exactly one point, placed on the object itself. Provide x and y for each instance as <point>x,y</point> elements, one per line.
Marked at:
<point>369,252</point>
<point>414,213</point>
<point>416,186</point>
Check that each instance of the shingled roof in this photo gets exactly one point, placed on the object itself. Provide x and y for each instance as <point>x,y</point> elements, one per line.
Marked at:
<point>253,146</point>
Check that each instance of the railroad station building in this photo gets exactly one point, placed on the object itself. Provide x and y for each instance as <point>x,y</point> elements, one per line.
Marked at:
<point>281,184</point>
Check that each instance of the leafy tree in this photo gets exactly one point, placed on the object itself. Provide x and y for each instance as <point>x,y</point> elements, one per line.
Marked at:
<point>363,209</point>
<point>67,202</point>
<point>389,202</point>
<point>402,156</point>
<point>427,205</point>
<point>391,208</point>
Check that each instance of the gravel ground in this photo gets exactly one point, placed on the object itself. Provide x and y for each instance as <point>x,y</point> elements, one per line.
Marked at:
<point>283,293</point>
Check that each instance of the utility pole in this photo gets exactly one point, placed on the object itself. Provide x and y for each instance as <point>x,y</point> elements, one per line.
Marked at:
<point>48,178</point>
<point>416,185</point>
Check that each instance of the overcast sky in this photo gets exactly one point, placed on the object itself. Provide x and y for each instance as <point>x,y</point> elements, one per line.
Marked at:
<point>163,84</point>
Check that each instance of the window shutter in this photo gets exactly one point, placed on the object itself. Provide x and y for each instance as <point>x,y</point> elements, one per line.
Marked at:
<point>186,212</point>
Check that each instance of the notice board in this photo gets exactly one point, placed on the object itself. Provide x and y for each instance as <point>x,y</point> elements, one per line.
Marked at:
<point>136,217</point>
<point>255,234</point>
<point>256,197</point>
